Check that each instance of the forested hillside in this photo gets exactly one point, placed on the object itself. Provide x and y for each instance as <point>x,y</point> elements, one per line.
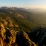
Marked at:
<point>16,18</point>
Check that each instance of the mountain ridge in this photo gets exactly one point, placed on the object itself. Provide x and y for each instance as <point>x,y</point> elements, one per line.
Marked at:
<point>18,17</point>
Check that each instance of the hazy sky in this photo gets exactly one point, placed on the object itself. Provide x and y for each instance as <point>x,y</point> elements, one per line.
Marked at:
<point>24,3</point>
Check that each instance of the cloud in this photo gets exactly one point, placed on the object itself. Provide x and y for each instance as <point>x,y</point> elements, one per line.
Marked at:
<point>36,6</point>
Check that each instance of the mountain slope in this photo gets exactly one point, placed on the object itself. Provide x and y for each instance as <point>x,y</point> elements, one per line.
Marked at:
<point>37,17</point>
<point>18,28</point>
<point>14,38</point>
<point>16,19</point>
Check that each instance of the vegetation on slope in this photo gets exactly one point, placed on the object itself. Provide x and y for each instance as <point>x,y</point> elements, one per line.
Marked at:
<point>17,18</point>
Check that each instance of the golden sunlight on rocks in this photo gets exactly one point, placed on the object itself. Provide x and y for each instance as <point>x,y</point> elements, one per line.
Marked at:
<point>14,38</point>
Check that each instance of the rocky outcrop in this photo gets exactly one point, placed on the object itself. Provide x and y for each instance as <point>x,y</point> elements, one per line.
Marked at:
<point>38,35</point>
<point>24,40</point>
<point>14,38</point>
<point>2,32</point>
<point>11,37</point>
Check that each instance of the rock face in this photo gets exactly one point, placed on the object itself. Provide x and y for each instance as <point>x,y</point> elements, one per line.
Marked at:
<point>11,37</point>
<point>14,38</point>
<point>38,36</point>
<point>2,32</point>
<point>23,39</point>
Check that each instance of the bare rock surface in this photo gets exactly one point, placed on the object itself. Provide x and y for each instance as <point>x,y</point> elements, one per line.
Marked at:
<point>14,38</point>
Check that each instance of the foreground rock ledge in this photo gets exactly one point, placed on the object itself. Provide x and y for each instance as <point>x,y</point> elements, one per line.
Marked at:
<point>14,38</point>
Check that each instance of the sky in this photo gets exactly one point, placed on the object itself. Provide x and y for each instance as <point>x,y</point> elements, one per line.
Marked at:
<point>24,3</point>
